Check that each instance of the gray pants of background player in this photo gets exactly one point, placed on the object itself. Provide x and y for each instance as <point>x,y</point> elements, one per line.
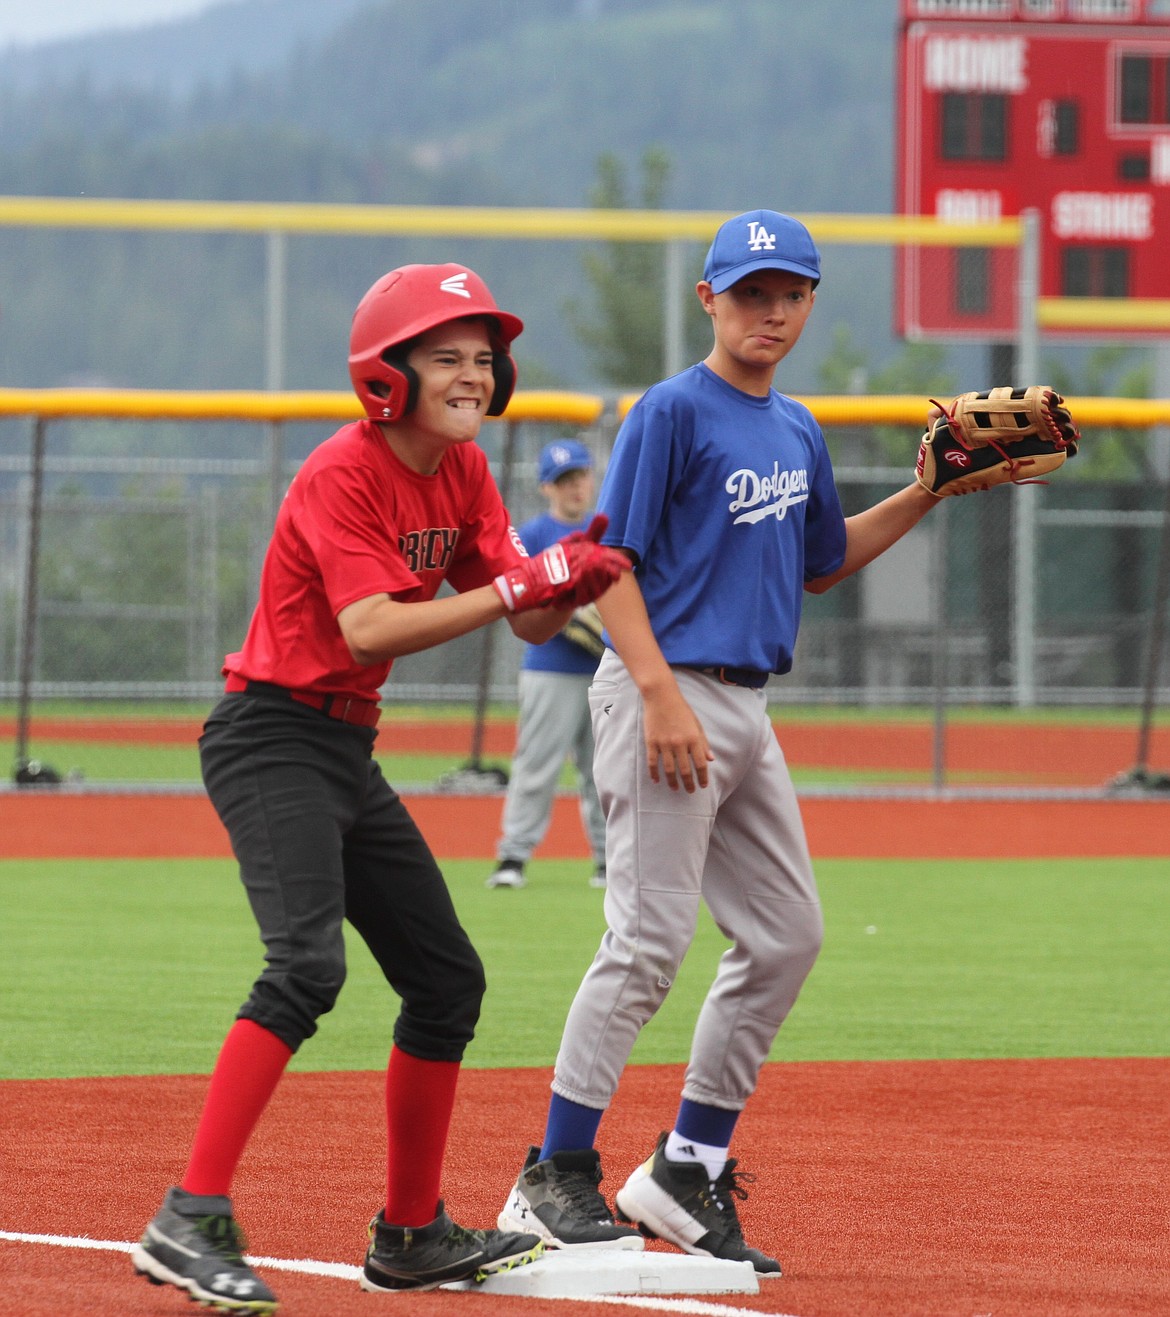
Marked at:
<point>554,725</point>
<point>738,845</point>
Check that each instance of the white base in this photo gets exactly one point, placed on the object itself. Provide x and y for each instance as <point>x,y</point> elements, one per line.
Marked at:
<point>561,1275</point>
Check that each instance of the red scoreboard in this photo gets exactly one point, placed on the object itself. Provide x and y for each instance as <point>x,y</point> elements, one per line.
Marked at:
<point>1062,106</point>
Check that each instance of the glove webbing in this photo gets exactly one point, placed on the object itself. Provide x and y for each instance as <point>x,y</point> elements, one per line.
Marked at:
<point>1021,419</point>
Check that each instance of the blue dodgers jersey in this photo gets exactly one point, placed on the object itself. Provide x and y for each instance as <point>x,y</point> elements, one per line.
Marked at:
<point>557,654</point>
<point>729,502</point>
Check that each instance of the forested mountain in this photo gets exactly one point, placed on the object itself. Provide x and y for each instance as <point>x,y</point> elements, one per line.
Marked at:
<point>177,55</point>
<point>475,102</point>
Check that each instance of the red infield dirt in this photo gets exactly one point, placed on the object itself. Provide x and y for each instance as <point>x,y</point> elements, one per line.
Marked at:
<point>921,1189</point>
<point>43,822</point>
<point>1016,1188</point>
<point>76,824</point>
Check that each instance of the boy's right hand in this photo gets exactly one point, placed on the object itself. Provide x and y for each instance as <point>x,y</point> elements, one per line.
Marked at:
<point>572,572</point>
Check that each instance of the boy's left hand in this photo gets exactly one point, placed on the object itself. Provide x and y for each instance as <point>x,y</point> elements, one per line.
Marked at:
<point>994,438</point>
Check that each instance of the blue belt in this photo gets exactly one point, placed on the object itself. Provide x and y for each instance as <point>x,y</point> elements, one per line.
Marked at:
<point>748,677</point>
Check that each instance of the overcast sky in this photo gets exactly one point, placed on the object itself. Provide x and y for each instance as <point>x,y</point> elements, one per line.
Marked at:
<point>28,21</point>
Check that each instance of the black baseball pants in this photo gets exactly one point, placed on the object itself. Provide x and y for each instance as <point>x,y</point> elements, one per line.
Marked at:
<point>321,837</point>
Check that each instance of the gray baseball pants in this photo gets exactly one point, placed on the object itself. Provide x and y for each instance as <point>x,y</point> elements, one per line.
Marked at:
<point>554,725</point>
<point>739,846</point>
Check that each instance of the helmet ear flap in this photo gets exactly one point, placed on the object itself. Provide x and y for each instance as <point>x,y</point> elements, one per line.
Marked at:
<point>401,383</point>
<point>504,373</point>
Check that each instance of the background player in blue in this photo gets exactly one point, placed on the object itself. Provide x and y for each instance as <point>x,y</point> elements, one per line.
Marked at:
<point>721,492</point>
<point>553,691</point>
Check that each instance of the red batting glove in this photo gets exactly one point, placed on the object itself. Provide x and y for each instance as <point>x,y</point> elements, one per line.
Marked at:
<point>594,568</point>
<point>534,583</point>
<point>574,571</point>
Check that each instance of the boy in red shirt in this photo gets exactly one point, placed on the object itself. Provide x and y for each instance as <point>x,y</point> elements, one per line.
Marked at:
<point>373,523</point>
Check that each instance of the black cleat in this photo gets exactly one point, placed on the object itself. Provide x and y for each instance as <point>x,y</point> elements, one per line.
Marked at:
<point>195,1244</point>
<point>508,873</point>
<point>560,1200</point>
<point>425,1257</point>
<point>679,1202</point>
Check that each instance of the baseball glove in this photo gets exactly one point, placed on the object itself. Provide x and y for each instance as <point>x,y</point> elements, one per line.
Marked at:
<point>997,437</point>
<point>584,628</point>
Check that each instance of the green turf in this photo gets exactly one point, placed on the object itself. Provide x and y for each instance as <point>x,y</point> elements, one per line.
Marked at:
<point>137,967</point>
<point>129,761</point>
<point>126,761</point>
<point>118,761</point>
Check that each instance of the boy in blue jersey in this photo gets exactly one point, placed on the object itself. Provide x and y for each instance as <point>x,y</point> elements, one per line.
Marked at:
<point>721,492</point>
<point>553,691</point>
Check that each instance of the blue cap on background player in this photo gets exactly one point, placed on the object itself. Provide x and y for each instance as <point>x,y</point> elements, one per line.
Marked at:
<point>556,459</point>
<point>760,240</point>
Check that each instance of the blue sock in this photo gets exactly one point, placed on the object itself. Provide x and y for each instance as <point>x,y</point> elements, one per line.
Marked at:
<point>712,1125</point>
<point>570,1125</point>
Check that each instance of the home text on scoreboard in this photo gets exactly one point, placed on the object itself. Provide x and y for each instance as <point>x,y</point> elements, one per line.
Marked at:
<point>1061,106</point>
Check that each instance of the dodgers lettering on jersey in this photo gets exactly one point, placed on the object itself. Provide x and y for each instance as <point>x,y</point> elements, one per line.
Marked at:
<point>766,496</point>
<point>729,502</point>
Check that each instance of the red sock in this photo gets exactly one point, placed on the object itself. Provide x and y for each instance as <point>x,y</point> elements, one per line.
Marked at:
<point>420,1096</point>
<point>249,1067</point>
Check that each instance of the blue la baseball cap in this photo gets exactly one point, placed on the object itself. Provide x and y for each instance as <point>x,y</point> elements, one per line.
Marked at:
<point>760,240</point>
<point>562,456</point>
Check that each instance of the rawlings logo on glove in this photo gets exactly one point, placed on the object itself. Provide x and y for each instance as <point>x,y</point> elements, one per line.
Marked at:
<point>998,437</point>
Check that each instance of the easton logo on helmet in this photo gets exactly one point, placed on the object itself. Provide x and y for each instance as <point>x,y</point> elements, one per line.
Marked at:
<point>455,283</point>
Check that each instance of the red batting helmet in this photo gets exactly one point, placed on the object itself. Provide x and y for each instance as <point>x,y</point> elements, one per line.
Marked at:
<point>406,303</point>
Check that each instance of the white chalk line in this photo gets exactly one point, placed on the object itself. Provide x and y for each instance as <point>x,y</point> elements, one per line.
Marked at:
<point>338,1270</point>
<point>345,1271</point>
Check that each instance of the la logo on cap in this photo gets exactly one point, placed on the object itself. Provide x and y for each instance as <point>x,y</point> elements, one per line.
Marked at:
<point>759,239</point>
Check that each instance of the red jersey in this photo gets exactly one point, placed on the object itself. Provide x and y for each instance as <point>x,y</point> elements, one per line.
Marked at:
<point>357,522</point>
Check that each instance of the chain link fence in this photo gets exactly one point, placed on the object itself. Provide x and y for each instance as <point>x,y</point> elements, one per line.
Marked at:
<point>146,569</point>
